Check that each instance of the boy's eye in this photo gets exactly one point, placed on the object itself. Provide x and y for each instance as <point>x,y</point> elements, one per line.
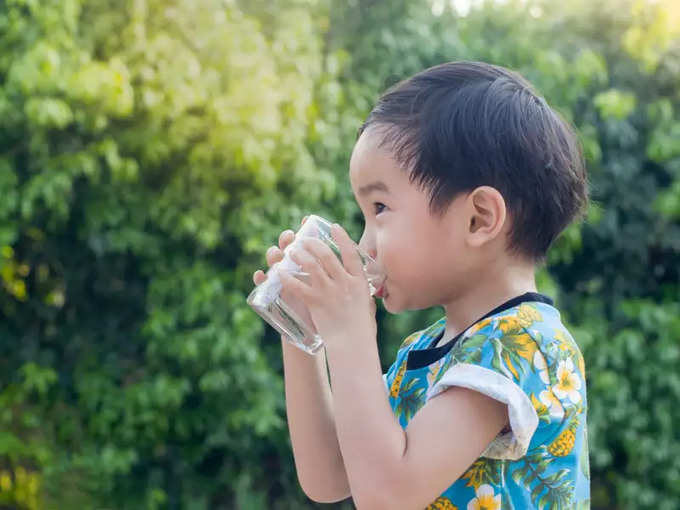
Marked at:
<point>377,206</point>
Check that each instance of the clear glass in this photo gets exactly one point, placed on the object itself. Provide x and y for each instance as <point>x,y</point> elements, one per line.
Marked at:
<point>288,315</point>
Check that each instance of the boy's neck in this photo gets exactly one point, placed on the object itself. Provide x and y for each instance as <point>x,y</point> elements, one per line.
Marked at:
<point>484,295</point>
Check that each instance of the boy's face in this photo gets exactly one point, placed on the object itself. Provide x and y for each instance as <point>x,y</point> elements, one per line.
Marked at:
<point>425,258</point>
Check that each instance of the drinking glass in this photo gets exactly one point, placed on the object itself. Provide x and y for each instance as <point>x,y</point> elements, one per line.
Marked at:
<point>290,316</point>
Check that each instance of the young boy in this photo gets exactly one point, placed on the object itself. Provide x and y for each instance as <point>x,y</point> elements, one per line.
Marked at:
<point>465,177</point>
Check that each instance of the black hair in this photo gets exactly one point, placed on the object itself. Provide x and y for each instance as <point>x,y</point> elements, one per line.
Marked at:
<point>460,125</point>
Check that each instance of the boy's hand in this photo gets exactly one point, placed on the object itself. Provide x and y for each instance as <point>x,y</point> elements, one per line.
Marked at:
<point>274,255</point>
<point>336,293</point>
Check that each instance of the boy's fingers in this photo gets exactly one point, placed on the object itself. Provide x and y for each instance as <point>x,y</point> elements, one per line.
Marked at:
<point>286,237</point>
<point>273,255</point>
<point>259,277</point>
<point>292,284</point>
<point>350,256</point>
<point>324,257</point>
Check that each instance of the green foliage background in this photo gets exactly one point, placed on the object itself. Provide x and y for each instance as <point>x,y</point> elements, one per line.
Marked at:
<point>150,152</point>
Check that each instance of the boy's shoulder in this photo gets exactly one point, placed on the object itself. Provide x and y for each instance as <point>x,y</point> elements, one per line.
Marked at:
<point>525,316</point>
<point>538,322</point>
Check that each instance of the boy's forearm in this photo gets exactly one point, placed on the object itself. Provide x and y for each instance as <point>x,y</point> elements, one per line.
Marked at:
<point>309,408</point>
<point>371,440</point>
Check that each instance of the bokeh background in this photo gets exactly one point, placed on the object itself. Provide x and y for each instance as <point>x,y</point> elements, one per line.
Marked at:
<point>151,151</point>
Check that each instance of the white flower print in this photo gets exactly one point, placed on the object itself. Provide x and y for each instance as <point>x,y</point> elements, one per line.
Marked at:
<point>485,499</point>
<point>541,366</point>
<point>550,401</point>
<point>568,383</point>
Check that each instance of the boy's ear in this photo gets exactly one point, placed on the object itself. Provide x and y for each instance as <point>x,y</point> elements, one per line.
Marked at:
<point>486,215</point>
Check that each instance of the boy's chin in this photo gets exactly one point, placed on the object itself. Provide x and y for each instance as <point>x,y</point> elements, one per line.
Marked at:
<point>383,301</point>
<point>388,305</point>
<point>393,307</point>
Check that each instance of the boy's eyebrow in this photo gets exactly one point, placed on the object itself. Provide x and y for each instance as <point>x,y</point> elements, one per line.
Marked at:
<point>374,186</point>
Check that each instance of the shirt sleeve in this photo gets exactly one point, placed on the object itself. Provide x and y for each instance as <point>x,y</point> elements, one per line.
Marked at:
<point>498,361</point>
<point>396,365</point>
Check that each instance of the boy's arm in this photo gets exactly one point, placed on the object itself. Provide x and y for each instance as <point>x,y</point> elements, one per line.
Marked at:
<point>309,407</point>
<point>389,467</point>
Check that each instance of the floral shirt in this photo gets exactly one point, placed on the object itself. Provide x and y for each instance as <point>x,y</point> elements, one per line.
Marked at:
<point>520,354</point>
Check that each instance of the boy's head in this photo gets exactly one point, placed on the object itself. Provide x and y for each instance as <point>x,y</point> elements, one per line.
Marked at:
<point>480,171</point>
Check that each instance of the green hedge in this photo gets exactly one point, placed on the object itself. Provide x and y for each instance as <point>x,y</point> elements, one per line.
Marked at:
<point>151,150</point>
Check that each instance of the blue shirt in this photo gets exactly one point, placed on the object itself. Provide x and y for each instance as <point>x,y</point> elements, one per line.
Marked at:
<point>520,354</point>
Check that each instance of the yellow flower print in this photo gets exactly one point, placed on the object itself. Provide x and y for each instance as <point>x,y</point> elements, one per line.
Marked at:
<point>527,315</point>
<point>523,344</point>
<point>550,401</point>
<point>541,367</point>
<point>566,344</point>
<point>396,383</point>
<point>485,499</point>
<point>442,503</point>
<point>561,337</point>
<point>568,383</point>
<point>514,346</point>
<point>581,365</point>
<point>475,474</point>
<point>480,325</point>
<point>509,324</point>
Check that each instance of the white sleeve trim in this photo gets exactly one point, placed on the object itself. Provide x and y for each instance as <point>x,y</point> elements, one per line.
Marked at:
<point>387,390</point>
<point>523,418</point>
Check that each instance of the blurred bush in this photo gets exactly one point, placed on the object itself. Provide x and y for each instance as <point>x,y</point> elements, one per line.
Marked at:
<point>151,150</point>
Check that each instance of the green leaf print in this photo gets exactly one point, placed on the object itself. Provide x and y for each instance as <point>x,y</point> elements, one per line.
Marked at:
<point>496,362</point>
<point>437,370</point>
<point>411,399</point>
<point>553,490</point>
<point>517,347</point>
<point>472,347</point>
<point>506,504</point>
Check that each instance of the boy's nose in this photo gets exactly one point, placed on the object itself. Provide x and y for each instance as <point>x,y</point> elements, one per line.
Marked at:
<point>367,246</point>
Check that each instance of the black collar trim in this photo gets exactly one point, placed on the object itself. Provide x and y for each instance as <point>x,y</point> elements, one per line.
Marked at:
<point>419,358</point>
